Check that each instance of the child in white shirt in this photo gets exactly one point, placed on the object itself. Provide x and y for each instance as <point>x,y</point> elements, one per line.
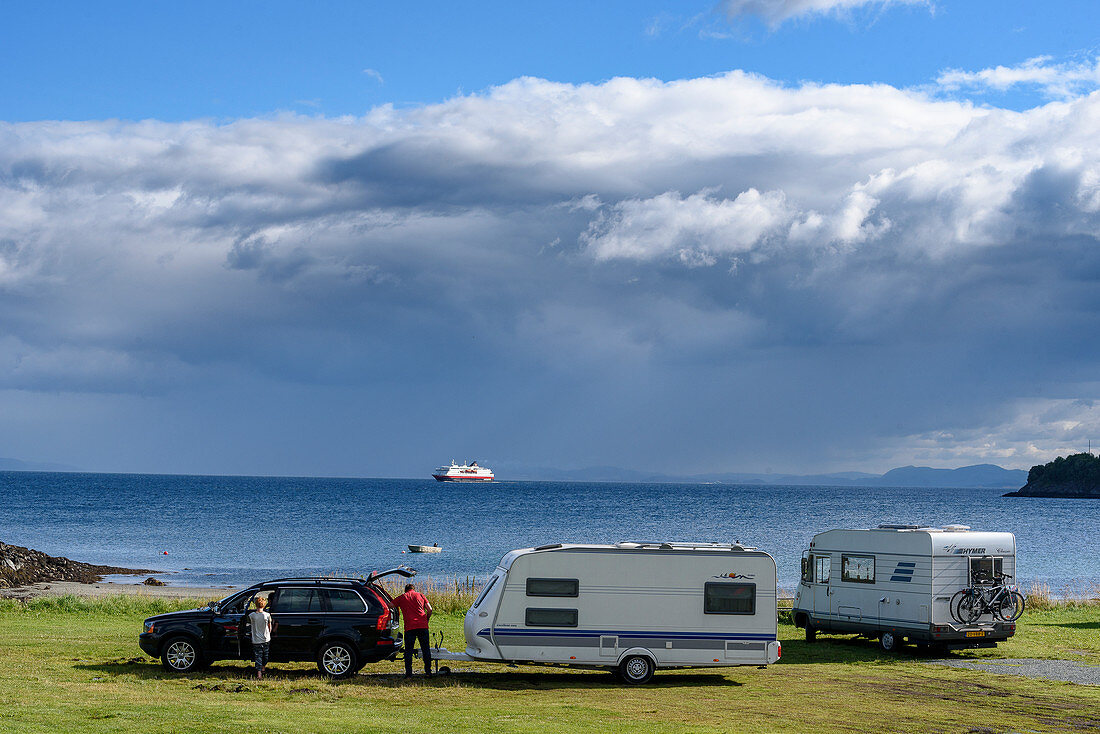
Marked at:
<point>262,627</point>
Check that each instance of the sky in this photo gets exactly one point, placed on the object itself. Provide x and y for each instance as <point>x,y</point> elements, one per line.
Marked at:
<point>362,239</point>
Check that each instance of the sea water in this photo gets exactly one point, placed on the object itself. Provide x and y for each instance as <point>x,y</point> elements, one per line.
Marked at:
<point>211,531</point>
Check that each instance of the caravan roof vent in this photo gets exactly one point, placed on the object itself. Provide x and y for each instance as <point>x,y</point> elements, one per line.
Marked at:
<point>956,528</point>
<point>899,526</point>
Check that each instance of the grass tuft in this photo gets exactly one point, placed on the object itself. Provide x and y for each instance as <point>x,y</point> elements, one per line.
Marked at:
<point>119,606</point>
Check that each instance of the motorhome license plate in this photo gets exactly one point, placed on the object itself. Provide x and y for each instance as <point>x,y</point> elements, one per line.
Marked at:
<point>976,633</point>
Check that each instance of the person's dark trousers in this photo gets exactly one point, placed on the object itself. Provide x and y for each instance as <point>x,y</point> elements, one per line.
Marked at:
<point>418,636</point>
<point>260,654</point>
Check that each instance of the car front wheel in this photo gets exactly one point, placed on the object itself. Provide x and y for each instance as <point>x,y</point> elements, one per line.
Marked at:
<point>181,655</point>
<point>337,659</point>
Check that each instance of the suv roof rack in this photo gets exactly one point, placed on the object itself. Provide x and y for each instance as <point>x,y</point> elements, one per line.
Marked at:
<point>320,579</point>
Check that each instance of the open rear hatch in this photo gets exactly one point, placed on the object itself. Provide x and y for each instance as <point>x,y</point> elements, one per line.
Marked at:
<point>391,618</point>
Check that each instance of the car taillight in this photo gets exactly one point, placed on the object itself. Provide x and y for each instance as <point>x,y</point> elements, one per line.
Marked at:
<point>780,646</point>
<point>384,618</point>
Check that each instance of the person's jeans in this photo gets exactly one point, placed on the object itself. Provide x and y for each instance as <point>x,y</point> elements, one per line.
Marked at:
<point>412,637</point>
<point>260,651</point>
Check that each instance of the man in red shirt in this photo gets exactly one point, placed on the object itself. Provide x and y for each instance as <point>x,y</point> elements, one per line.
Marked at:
<point>416,611</point>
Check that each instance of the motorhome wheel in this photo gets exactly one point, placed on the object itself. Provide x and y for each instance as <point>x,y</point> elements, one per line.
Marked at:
<point>889,642</point>
<point>636,669</point>
<point>811,633</point>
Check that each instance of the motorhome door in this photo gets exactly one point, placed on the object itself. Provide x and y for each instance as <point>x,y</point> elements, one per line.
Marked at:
<point>822,565</point>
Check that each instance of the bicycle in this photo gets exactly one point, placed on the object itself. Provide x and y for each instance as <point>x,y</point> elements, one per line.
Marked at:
<point>1003,602</point>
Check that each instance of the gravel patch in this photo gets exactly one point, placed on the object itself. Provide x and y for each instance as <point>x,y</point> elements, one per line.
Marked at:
<point>1063,670</point>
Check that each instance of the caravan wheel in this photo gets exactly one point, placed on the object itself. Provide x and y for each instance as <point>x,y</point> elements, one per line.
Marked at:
<point>811,633</point>
<point>636,669</point>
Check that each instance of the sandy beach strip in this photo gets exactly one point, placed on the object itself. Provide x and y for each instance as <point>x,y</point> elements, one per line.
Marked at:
<point>105,588</point>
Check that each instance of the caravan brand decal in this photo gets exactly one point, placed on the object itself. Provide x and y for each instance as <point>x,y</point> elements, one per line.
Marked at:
<point>956,550</point>
<point>734,575</point>
<point>904,571</point>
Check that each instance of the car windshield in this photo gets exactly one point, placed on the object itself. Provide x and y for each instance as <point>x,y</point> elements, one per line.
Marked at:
<point>221,603</point>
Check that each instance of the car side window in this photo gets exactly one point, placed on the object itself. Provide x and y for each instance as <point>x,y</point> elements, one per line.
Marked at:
<point>296,601</point>
<point>343,600</point>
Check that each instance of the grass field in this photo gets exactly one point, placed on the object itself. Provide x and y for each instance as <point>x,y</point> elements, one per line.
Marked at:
<point>73,665</point>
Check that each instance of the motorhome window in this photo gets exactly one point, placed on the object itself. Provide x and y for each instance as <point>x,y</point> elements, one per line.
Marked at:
<point>985,569</point>
<point>860,569</point>
<point>551,617</point>
<point>822,565</point>
<point>807,569</point>
<point>344,600</point>
<point>481,596</point>
<point>720,598</point>
<point>553,587</point>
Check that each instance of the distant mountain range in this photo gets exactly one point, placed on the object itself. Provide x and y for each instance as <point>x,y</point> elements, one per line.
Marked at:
<point>17,465</point>
<point>980,475</point>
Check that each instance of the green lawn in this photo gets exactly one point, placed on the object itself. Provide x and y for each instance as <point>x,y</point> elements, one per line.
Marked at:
<point>68,665</point>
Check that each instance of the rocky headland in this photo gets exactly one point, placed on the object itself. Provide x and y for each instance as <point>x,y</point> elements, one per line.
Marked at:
<point>1074,476</point>
<point>23,566</point>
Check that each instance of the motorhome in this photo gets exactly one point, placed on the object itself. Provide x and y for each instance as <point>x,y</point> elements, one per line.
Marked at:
<point>631,607</point>
<point>896,583</point>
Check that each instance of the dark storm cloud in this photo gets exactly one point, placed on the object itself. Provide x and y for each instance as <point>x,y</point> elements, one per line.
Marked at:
<point>712,264</point>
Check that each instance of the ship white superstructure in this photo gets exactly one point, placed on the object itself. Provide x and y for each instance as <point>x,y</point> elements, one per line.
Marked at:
<point>463,473</point>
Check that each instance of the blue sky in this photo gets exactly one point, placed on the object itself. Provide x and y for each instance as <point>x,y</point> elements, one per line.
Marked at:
<point>365,238</point>
<point>169,61</point>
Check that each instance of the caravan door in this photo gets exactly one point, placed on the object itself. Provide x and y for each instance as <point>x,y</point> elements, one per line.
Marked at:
<point>822,573</point>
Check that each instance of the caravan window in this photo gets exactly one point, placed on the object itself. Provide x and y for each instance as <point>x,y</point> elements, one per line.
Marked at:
<point>984,570</point>
<point>822,566</point>
<point>485,591</point>
<point>553,587</point>
<point>551,617</point>
<point>807,569</point>
<point>860,569</point>
<point>720,598</point>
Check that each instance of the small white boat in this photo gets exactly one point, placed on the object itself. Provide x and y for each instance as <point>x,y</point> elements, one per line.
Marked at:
<point>425,549</point>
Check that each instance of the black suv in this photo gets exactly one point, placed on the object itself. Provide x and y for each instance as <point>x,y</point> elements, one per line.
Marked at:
<point>340,623</point>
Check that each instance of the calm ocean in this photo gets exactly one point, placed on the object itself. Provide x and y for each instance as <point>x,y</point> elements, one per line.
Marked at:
<point>239,530</point>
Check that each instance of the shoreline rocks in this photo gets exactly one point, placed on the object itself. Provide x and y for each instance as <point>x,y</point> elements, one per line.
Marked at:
<point>21,566</point>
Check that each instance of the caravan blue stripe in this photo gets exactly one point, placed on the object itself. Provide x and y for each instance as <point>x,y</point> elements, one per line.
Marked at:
<point>569,632</point>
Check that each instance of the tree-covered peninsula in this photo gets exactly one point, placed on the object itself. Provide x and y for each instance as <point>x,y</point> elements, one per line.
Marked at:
<point>1076,475</point>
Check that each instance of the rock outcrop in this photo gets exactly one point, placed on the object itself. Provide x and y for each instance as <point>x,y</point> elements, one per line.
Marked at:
<point>22,566</point>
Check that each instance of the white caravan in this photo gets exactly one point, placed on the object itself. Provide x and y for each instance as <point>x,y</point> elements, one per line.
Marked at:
<point>631,607</point>
<point>895,582</point>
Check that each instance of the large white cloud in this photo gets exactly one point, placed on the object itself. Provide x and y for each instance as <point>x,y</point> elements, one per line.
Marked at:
<point>635,228</point>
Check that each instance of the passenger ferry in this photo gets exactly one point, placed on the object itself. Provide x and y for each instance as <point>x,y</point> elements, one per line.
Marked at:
<point>465,473</point>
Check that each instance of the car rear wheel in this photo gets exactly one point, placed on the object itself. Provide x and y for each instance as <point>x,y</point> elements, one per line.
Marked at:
<point>337,659</point>
<point>181,655</point>
<point>636,669</point>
